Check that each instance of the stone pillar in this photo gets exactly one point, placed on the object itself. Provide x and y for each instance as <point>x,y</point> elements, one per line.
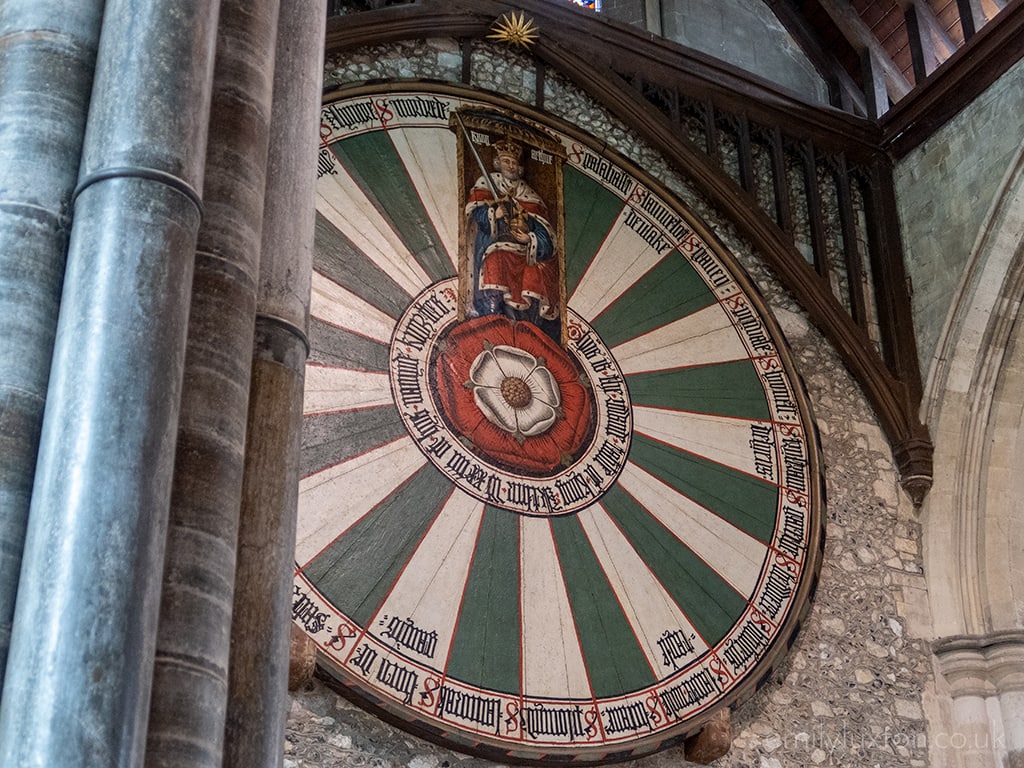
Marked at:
<point>187,713</point>
<point>972,738</point>
<point>81,657</point>
<point>986,679</point>
<point>47,55</point>
<point>258,697</point>
<point>1006,661</point>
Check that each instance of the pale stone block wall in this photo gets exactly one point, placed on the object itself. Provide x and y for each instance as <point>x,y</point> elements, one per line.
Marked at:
<point>946,188</point>
<point>744,34</point>
<point>747,35</point>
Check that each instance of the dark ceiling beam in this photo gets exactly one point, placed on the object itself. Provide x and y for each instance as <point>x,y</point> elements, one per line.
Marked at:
<point>850,96</point>
<point>861,37</point>
<point>876,95</point>
<point>923,54</point>
<point>955,84</point>
<point>931,22</point>
<point>972,17</point>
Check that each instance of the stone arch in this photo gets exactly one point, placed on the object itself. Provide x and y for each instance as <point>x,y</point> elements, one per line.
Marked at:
<point>974,553</point>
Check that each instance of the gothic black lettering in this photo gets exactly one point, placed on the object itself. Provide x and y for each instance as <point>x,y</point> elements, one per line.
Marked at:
<point>649,232</point>
<point>618,419</point>
<point>475,476</point>
<point>792,539</point>
<point>493,490</point>
<point>405,633</point>
<point>347,116</point>
<point>627,717</point>
<point>485,711</point>
<point>795,464</point>
<point>458,464</point>
<point>363,659</point>
<point>778,389</point>
<point>710,266</point>
<point>611,384</point>
<point>778,588</point>
<point>574,488</point>
<point>695,689</point>
<point>325,163</point>
<point>609,456</point>
<point>424,422</point>
<point>307,613</point>
<point>613,176</point>
<point>531,497</point>
<point>675,226</point>
<point>541,721</point>
<point>407,374</point>
<point>751,326</point>
<point>588,347</point>
<point>398,678</point>
<point>675,646</point>
<point>593,476</point>
<point>743,647</point>
<point>432,108</point>
<point>420,324</point>
<point>762,442</point>
<point>439,447</point>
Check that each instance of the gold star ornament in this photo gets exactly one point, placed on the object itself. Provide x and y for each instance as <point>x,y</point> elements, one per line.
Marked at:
<point>515,30</point>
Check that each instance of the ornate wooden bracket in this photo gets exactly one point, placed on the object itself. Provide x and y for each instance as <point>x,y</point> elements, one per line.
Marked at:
<point>301,659</point>
<point>713,741</point>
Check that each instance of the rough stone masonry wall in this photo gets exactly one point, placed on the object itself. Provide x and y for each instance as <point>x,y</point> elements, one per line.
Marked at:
<point>850,691</point>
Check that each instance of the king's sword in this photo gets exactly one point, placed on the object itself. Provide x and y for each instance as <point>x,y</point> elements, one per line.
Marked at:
<point>516,215</point>
<point>476,156</point>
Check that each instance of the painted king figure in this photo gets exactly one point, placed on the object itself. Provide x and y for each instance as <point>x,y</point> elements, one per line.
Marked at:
<point>516,272</point>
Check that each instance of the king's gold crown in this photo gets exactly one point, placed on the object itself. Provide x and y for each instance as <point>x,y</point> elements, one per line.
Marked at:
<point>508,148</point>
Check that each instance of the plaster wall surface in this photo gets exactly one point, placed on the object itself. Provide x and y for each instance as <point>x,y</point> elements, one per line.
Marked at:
<point>627,11</point>
<point>743,33</point>
<point>858,680</point>
<point>747,35</point>
<point>946,188</point>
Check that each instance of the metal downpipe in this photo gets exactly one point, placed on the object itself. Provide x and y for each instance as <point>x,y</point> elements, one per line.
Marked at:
<point>47,58</point>
<point>81,656</point>
<point>260,631</point>
<point>190,676</point>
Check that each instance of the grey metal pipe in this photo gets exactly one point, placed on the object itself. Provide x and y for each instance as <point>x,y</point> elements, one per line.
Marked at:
<point>260,631</point>
<point>190,676</point>
<point>47,57</point>
<point>81,657</point>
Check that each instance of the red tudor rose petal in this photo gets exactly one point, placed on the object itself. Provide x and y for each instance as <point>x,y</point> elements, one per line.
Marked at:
<point>542,453</point>
<point>539,344</point>
<point>536,454</point>
<point>462,346</point>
